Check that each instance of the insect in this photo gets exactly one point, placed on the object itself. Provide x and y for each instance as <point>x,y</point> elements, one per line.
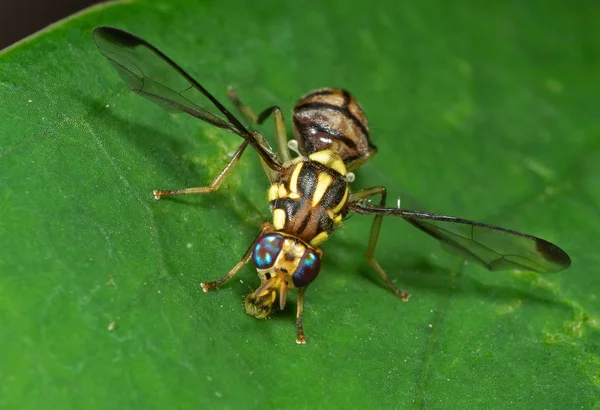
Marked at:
<point>309,195</point>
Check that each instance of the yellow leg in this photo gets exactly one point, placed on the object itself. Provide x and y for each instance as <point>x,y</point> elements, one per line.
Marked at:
<point>207,286</point>
<point>375,227</point>
<point>214,185</point>
<point>280,130</point>
<point>300,339</point>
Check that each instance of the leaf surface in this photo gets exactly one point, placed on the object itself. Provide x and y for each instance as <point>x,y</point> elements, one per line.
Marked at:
<point>482,112</point>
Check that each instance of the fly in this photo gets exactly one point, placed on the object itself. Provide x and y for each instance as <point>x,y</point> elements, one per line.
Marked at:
<point>309,195</point>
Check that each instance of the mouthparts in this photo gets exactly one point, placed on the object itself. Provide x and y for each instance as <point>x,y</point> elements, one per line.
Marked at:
<point>260,302</point>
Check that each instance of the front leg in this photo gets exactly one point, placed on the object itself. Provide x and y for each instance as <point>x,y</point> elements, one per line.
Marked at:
<point>300,339</point>
<point>208,286</point>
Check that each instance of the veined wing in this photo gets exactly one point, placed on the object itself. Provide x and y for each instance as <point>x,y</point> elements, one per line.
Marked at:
<point>495,247</point>
<point>151,74</point>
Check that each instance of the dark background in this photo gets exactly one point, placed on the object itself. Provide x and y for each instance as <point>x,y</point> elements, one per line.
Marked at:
<point>20,18</point>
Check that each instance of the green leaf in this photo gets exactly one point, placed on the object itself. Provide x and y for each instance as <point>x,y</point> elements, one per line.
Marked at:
<point>487,112</point>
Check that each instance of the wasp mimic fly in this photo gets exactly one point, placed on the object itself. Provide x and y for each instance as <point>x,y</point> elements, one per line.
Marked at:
<point>309,195</point>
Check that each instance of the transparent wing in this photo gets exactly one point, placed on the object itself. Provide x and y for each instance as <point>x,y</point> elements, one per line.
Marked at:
<point>495,247</point>
<point>154,76</point>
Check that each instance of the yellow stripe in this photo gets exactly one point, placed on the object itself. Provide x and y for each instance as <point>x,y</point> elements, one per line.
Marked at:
<point>278,219</point>
<point>338,165</point>
<point>330,159</point>
<point>319,239</point>
<point>339,207</point>
<point>294,178</point>
<point>281,192</point>
<point>272,192</point>
<point>323,182</point>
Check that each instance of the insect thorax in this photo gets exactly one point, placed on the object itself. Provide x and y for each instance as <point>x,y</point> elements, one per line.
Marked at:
<point>307,200</point>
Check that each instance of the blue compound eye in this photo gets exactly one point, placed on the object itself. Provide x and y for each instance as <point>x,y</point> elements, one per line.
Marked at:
<point>308,269</point>
<point>266,250</point>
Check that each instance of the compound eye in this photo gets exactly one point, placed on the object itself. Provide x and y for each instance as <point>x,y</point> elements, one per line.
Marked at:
<point>266,250</point>
<point>308,269</point>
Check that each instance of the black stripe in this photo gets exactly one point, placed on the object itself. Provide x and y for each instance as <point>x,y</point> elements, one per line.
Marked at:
<point>307,140</point>
<point>354,157</point>
<point>308,179</point>
<point>334,193</point>
<point>288,205</point>
<point>300,129</point>
<point>326,91</point>
<point>304,223</point>
<point>335,134</point>
<point>325,223</point>
<point>342,110</point>
<point>347,98</point>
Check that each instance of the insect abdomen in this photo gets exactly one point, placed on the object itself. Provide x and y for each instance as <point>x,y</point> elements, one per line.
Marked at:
<point>330,118</point>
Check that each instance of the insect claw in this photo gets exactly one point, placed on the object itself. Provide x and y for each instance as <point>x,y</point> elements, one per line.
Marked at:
<point>231,93</point>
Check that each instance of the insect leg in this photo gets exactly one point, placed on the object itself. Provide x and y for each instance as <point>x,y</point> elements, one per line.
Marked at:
<point>300,339</point>
<point>284,152</point>
<point>158,193</point>
<point>207,286</point>
<point>280,131</point>
<point>375,227</point>
<point>247,111</point>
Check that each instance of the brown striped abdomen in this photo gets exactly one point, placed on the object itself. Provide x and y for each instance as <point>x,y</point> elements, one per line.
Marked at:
<point>330,118</point>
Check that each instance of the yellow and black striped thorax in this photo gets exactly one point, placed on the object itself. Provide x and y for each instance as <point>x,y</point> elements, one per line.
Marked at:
<point>308,199</point>
<point>331,118</point>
